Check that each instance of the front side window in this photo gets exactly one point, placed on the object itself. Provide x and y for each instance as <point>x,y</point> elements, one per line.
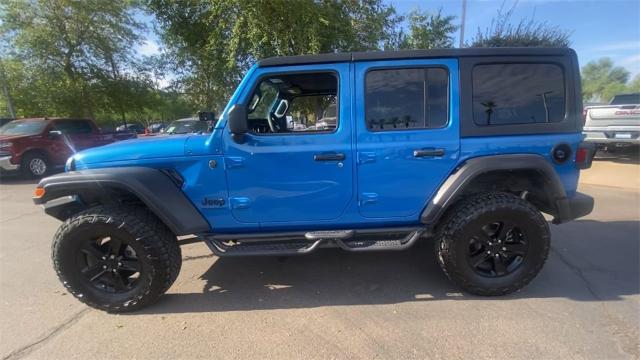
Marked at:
<point>507,94</point>
<point>400,99</point>
<point>294,103</point>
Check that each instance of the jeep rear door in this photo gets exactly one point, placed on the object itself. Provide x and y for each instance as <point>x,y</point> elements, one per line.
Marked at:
<point>407,133</point>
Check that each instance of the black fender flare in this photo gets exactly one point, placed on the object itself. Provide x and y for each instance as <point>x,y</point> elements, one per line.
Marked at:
<point>153,187</point>
<point>472,168</point>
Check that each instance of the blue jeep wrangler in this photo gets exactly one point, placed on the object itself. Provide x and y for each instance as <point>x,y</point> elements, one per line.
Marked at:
<point>362,151</point>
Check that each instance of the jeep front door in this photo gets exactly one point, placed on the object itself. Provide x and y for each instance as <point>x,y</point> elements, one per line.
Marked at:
<point>407,133</point>
<point>293,166</point>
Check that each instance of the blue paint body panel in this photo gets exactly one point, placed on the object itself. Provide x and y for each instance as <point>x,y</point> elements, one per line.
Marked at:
<point>272,183</point>
<point>387,171</point>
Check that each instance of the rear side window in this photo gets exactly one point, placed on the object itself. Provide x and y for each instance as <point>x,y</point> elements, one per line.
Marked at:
<point>400,99</point>
<point>507,94</point>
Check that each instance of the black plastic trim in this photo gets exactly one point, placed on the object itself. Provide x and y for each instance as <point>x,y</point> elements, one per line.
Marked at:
<point>153,187</point>
<point>472,168</point>
<point>411,54</point>
<point>574,207</point>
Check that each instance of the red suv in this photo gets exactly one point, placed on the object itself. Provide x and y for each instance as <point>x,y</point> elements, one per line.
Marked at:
<point>36,146</point>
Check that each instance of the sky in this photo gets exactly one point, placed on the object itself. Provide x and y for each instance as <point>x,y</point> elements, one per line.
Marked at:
<point>598,28</point>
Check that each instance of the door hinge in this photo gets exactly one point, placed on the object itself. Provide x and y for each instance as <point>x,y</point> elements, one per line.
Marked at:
<point>368,198</point>
<point>240,202</point>
<point>366,157</point>
<point>233,162</point>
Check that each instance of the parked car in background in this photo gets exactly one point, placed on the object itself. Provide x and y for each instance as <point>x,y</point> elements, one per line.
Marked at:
<point>36,146</point>
<point>133,127</point>
<point>157,127</point>
<point>5,120</point>
<point>328,120</point>
<point>188,126</point>
<point>616,124</point>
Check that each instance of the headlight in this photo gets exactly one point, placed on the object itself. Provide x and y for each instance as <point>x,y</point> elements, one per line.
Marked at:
<point>5,144</point>
<point>70,165</point>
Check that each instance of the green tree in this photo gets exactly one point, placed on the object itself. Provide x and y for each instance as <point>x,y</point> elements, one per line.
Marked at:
<point>429,31</point>
<point>601,80</point>
<point>212,43</point>
<point>76,52</point>
<point>6,102</point>
<point>634,85</point>
<point>503,32</point>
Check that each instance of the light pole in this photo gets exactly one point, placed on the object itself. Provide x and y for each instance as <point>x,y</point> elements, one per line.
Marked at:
<point>463,18</point>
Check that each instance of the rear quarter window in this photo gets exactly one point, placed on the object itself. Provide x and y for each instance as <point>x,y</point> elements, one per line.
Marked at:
<point>509,94</point>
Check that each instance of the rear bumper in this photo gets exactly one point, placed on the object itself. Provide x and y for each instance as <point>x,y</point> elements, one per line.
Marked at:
<point>577,206</point>
<point>6,165</point>
<point>612,135</point>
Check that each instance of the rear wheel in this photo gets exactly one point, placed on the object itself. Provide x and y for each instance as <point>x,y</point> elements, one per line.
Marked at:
<point>35,165</point>
<point>493,244</point>
<point>116,259</point>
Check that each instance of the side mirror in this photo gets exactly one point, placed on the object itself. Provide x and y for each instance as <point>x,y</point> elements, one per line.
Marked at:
<point>54,134</point>
<point>207,116</point>
<point>238,122</point>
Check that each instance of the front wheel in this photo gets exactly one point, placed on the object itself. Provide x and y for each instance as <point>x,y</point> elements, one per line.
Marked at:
<point>116,259</point>
<point>493,244</point>
<point>35,165</point>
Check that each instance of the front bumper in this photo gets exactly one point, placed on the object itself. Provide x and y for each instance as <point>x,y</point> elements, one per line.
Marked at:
<point>6,165</point>
<point>577,206</point>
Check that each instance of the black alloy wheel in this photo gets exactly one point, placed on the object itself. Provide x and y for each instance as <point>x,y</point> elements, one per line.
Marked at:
<point>109,264</point>
<point>498,249</point>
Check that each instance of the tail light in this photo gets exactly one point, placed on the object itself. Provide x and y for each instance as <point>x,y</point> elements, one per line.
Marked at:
<point>584,155</point>
<point>584,116</point>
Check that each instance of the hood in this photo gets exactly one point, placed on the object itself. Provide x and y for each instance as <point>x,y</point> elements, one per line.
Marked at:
<point>135,149</point>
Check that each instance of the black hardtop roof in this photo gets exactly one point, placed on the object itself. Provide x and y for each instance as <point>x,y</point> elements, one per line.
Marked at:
<point>412,54</point>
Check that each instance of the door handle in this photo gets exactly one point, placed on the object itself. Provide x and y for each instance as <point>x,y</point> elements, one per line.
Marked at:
<point>329,157</point>
<point>428,152</point>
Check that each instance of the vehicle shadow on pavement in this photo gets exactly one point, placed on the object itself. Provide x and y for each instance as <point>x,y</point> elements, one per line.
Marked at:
<point>622,156</point>
<point>16,180</point>
<point>589,261</point>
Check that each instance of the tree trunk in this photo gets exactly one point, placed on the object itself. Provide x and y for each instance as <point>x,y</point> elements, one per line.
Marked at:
<point>7,95</point>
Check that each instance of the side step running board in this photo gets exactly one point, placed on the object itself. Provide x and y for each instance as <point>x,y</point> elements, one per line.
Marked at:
<point>329,235</point>
<point>304,243</point>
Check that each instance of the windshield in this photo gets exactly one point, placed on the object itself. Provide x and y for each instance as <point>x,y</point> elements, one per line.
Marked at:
<point>188,126</point>
<point>20,127</point>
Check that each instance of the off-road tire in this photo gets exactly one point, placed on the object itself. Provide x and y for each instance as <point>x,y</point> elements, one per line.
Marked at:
<point>156,246</point>
<point>451,246</point>
<point>25,165</point>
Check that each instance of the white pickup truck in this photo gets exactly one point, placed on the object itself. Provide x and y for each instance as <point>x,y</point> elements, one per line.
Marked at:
<point>616,124</point>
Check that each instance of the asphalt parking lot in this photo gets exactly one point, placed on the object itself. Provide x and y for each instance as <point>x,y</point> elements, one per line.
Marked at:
<point>584,304</point>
